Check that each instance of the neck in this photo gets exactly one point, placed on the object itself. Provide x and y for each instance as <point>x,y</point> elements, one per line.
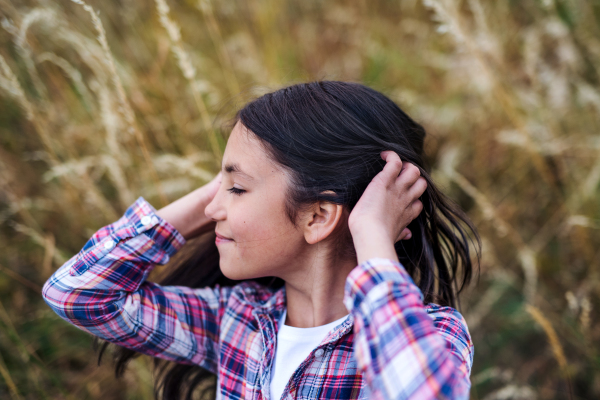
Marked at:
<point>315,290</point>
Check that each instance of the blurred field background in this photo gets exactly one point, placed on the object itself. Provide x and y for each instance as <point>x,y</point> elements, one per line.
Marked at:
<point>98,109</point>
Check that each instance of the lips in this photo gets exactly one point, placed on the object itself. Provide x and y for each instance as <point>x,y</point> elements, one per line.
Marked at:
<point>221,237</point>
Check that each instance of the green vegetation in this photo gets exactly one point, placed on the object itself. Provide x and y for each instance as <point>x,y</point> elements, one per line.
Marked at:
<point>96,110</point>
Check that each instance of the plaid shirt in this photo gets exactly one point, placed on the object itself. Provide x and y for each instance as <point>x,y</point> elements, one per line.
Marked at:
<point>391,346</point>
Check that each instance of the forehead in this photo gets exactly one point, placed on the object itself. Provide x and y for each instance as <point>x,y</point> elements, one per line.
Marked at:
<point>245,150</point>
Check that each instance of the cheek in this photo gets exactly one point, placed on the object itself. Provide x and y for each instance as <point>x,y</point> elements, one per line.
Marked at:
<point>262,229</point>
<point>256,230</point>
<point>265,241</point>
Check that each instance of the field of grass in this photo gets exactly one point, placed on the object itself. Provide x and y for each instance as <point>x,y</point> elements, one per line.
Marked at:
<point>102,102</point>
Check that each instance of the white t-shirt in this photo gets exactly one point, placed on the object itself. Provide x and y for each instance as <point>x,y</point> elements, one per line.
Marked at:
<point>293,346</point>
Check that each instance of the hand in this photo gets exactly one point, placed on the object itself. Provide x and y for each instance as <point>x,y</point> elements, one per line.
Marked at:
<point>389,203</point>
<point>187,213</point>
<point>212,187</point>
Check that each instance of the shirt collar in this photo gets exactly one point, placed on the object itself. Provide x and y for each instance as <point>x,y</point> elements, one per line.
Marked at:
<point>271,301</point>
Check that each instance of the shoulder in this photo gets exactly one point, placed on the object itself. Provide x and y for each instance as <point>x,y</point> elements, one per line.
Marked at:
<point>452,326</point>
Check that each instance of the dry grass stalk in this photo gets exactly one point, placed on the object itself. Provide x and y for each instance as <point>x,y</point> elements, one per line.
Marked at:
<point>27,353</point>
<point>116,80</point>
<point>89,50</point>
<point>527,258</point>
<point>512,392</point>
<point>557,349</point>
<point>125,107</point>
<point>41,240</point>
<point>584,319</point>
<point>71,72</point>
<point>170,164</point>
<point>448,15</point>
<point>590,184</point>
<point>526,255</point>
<point>14,392</point>
<point>485,305</point>
<point>34,16</point>
<point>49,251</point>
<point>16,206</point>
<point>217,38</point>
<point>116,158</point>
<point>10,83</point>
<point>19,278</point>
<point>189,72</point>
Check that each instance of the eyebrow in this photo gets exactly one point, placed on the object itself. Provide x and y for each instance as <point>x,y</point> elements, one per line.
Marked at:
<point>235,169</point>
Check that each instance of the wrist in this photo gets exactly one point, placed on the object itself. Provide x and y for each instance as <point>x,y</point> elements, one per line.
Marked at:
<point>187,214</point>
<point>373,244</point>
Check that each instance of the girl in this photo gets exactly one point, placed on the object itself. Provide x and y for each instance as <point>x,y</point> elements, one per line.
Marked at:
<point>328,264</point>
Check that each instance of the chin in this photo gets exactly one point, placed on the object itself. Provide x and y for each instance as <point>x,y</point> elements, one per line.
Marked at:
<point>231,272</point>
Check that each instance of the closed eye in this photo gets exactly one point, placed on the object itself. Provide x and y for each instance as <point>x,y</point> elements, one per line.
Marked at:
<point>237,191</point>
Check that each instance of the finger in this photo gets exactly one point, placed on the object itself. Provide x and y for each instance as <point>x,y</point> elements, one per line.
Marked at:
<point>213,186</point>
<point>409,175</point>
<point>392,167</point>
<point>217,177</point>
<point>404,235</point>
<point>417,189</point>
<point>415,208</point>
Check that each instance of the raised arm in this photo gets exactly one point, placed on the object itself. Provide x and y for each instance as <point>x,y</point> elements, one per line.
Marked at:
<point>103,290</point>
<point>406,350</point>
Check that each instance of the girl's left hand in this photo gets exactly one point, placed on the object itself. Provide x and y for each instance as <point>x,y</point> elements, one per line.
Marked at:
<point>387,206</point>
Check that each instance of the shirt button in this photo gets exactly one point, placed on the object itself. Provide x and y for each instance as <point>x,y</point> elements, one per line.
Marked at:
<point>146,220</point>
<point>109,245</point>
<point>319,353</point>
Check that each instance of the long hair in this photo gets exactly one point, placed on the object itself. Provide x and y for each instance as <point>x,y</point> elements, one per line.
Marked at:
<point>328,135</point>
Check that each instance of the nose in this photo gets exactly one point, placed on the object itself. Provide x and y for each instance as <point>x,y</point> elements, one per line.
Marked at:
<point>215,209</point>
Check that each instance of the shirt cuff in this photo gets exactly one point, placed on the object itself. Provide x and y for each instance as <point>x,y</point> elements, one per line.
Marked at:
<point>366,276</point>
<point>139,218</point>
<point>142,216</point>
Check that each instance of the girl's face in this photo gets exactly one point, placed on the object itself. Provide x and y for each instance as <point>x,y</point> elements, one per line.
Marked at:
<point>255,237</point>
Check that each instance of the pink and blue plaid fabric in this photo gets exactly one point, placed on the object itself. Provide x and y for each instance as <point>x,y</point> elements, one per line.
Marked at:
<point>391,346</point>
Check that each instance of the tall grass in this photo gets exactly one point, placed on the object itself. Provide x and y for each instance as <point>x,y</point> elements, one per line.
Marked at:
<point>102,102</point>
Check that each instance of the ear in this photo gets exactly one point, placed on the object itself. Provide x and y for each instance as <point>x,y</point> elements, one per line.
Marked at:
<point>321,220</point>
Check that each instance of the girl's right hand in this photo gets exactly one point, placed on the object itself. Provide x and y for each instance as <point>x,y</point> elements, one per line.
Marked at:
<point>187,213</point>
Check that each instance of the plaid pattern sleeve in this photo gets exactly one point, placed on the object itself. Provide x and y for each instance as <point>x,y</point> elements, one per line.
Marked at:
<point>103,290</point>
<point>405,349</point>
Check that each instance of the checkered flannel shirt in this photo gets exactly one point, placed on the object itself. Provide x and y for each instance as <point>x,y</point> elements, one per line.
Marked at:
<point>392,346</point>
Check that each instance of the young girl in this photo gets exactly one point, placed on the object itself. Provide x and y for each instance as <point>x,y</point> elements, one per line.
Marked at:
<point>337,267</point>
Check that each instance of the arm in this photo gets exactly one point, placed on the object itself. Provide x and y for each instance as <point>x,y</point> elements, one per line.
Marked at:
<point>405,349</point>
<point>103,290</point>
